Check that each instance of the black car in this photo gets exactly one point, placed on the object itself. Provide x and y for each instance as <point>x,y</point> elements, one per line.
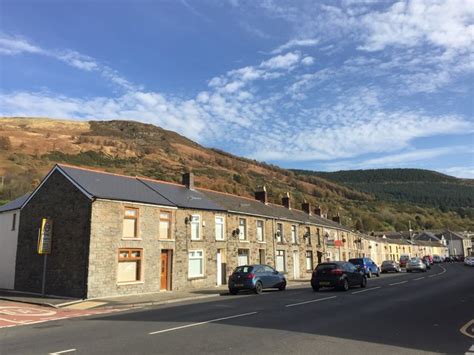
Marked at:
<point>338,274</point>
<point>256,278</point>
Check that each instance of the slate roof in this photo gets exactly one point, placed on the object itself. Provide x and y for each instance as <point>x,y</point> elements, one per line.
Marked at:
<point>426,236</point>
<point>15,204</point>
<point>181,196</point>
<point>113,187</point>
<point>250,206</point>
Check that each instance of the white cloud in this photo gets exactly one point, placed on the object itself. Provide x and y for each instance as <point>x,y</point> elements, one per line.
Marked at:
<point>465,172</point>
<point>16,45</point>
<point>308,42</point>
<point>282,61</point>
<point>307,60</point>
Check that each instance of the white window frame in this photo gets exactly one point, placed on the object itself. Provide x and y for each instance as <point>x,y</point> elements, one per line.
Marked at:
<point>294,234</point>
<point>284,260</point>
<point>280,237</point>
<point>263,230</point>
<point>196,258</point>
<point>223,227</point>
<point>310,260</point>
<point>243,236</point>
<point>199,226</point>
<point>247,251</point>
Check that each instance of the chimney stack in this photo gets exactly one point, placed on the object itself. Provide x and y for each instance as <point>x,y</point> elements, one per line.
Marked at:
<point>188,180</point>
<point>261,195</point>
<point>317,211</point>
<point>337,218</point>
<point>306,207</point>
<point>285,201</point>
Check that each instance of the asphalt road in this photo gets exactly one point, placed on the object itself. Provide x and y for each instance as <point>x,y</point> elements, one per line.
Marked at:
<point>398,314</point>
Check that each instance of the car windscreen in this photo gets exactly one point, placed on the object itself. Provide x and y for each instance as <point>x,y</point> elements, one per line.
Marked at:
<point>243,269</point>
<point>356,261</point>
<point>387,263</point>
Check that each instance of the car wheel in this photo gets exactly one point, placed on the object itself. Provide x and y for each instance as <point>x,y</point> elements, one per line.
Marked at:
<point>233,291</point>
<point>369,275</point>
<point>315,288</point>
<point>363,283</point>
<point>282,287</point>
<point>258,288</point>
<point>345,285</point>
<point>378,274</point>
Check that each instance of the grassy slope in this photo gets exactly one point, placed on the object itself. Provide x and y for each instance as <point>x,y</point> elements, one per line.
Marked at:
<point>29,147</point>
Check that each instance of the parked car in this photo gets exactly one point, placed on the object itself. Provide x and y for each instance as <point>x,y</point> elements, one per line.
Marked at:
<point>390,266</point>
<point>429,258</point>
<point>256,278</point>
<point>469,261</point>
<point>437,259</point>
<point>403,260</point>
<point>366,265</point>
<point>416,264</point>
<point>338,274</point>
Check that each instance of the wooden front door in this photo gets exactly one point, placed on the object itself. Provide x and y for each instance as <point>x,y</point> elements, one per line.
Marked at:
<point>164,270</point>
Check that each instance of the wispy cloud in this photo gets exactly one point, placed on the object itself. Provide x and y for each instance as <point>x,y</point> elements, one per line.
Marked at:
<point>16,45</point>
<point>308,42</point>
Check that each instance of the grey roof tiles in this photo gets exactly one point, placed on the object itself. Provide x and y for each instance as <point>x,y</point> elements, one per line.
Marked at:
<point>15,204</point>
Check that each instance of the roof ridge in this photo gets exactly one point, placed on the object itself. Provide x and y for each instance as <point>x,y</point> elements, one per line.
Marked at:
<point>229,194</point>
<point>117,174</point>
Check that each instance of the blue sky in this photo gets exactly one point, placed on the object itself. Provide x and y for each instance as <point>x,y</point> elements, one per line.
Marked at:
<point>328,85</point>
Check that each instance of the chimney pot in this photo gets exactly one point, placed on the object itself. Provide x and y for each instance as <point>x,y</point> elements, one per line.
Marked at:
<point>306,206</point>
<point>285,201</point>
<point>188,180</point>
<point>261,195</point>
<point>317,211</point>
<point>337,219</point>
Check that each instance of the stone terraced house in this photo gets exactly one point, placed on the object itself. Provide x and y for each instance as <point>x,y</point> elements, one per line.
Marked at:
<point>115,234</point>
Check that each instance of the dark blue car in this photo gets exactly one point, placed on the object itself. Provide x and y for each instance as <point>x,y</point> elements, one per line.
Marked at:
<point>367,265</point>
<point>256,278</point>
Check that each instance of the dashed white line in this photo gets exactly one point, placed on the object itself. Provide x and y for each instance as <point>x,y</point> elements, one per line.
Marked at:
<point>398,283</point>
<point>419,278</point>
<point>434,275</point>
<point>311,301</point>
<point>367,289</point>
<point>63,351</point>
<point>201,323</point>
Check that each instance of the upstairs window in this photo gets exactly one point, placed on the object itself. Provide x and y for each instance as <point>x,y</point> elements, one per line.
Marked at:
<point>165,225</point>
<point>294,237</point>
<point>219,228</point>
<point>318,232</point>
<point>307,234</point>
<point>195,227</point>
<point>130,223</point>
<point>242,229</point>
<point>279,233</point>
<point>260,231</point>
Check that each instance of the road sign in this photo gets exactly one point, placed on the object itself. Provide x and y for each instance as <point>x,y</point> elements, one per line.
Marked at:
<point>45,236</point>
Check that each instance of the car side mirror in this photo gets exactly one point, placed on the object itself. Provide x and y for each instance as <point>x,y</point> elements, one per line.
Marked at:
<point>275,272</point>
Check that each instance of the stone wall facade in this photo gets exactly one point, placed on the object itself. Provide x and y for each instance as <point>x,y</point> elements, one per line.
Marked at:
<point>66,266</point>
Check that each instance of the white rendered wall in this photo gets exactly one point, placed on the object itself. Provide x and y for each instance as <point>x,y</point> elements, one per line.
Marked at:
<point>8,245</point>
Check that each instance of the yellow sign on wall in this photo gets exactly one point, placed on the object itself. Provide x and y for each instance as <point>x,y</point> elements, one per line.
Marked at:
<point>45,236</point>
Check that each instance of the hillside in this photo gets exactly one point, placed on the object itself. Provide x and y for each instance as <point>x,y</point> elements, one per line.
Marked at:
<point>422,187</point>
<point>29,147</point>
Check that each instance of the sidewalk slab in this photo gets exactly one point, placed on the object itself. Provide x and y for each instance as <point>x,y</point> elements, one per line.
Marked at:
<point>33,298</point>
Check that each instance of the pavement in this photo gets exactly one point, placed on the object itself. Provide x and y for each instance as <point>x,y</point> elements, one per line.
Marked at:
<point>426,313</point>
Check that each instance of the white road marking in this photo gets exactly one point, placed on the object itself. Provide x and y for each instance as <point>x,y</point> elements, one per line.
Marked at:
<point>367,289</point>
<point>420,278</point>
<point>63,352</point>
<point>398,283</point>
<point>201,323</point>
<point>305,302</point>
<point>466,327</point>
<point>434,275</point>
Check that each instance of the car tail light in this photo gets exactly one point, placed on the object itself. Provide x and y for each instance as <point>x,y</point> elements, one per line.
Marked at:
<point>337,272</point>
<point>250,276</point>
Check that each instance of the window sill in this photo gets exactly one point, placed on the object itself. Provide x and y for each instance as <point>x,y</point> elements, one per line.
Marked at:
<point>197,240</point>
<point>130,283</point>
<point>244,241</point>
<point>220,240</point>
<point>261,242</point>
<point>166,240</point>
<point>196,278</point>
<point>131,238</point>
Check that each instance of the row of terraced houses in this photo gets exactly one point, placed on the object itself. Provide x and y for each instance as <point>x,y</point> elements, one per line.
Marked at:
<point>116,235</point>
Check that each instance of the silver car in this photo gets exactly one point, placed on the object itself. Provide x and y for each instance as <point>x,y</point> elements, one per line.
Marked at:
<point>416,264</point>
<point>469,261</point>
